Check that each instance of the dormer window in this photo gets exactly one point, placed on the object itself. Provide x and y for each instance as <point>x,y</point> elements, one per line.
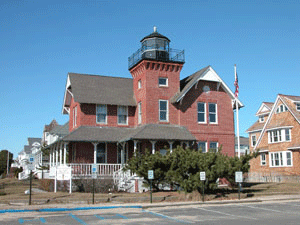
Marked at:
<point>163,82</point>
<point>281,108</point>
<point>261,119</point>
<point>298,106</point>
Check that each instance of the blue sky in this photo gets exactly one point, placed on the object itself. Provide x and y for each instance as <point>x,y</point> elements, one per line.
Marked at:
<point>41,41</point>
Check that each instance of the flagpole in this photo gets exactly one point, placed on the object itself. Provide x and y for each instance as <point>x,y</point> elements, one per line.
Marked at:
<point>237,119</point>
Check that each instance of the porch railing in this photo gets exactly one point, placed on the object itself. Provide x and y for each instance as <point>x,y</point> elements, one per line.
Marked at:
<point>79,169</point>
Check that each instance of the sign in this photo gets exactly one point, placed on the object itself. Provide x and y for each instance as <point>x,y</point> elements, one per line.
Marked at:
<point>63,173</point>
<point>30,166</point>
<point>94,168</point>
<point>202,175</point>
<point>238,176</point>
<point>31,159</point>
<point>150,174</point>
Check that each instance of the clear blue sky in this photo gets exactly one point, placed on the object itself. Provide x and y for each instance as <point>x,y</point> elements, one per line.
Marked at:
<point>41,41</point>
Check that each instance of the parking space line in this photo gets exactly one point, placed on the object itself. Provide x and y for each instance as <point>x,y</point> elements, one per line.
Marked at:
<point>77,219</point>
<point>21,221</point>
<point>272,210</point>
<point>227,214</point>
<point>123,217</point>
<point>99,217</point>
<point>166,217</point>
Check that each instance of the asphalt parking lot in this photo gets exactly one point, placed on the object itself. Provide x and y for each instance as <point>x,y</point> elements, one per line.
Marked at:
<point>287,212</point>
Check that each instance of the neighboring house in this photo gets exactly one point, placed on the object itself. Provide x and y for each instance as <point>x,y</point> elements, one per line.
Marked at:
<point>46,137</point>
<point>33,149</point>
<point>112,118</point>
<point>276,137</point>
<point>244,145</point>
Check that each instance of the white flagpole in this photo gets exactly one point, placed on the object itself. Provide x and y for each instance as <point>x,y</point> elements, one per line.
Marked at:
<point>237,120</point>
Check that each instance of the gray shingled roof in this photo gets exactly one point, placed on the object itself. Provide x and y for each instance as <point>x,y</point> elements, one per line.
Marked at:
<point>99,134</point>
<point>120,134</point>
<point>160,132</point>
<point>61,130</point>
<point>187,82</point>
<point>96,89</point>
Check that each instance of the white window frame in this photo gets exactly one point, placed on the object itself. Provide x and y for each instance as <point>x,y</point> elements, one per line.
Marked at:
<point>215,113</point>
<point>167,111</point>
<point>139,112</point>
<point>298,106</point>
<point>205,142</point>
<point>139,84</point>
<point>98,105</point>
<point>281,108</point>
<point>281,157</point>
<point>202,112</point>
<point>125,114</point>
<point>263,159</point>
<point>279,134</point>
<point>214,142</point>
<point>163,85</point>
<point>75,116</point>
<point>252,137</point>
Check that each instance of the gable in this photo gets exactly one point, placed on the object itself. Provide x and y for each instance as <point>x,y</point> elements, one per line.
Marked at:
<point>279,120</point>
<point>205,74</point>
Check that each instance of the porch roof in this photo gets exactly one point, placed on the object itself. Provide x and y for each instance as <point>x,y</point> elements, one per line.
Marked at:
<point>159,132</point>
<point>121,134</point>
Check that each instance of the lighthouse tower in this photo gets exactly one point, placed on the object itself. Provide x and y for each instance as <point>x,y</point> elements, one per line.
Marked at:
<point>155,69</point>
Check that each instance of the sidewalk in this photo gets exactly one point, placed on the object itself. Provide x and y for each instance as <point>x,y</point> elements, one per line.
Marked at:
<point>4,208</point>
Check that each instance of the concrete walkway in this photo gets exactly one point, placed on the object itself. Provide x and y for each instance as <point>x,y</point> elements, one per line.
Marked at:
<point>9,208</point>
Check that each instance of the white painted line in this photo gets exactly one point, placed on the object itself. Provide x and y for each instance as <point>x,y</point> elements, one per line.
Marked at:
<point>272,210</point>
<point>227,214</point>
<point>167,217</point>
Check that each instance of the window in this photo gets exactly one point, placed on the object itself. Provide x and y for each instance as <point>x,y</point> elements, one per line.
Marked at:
<point>287,135</point>
<point>101,114</point>
<point>281,159</point>
<point>122,114</point>
<point>162,81</point>
<point>253,140</point>
<point>101,153</point>
<point>212,110</point>
<point>163,110</point>
<point>201,112</point>
<point>281,108</point>
<point>75,116</point>
<point>139,84</point>
<point>213,146</point>
<point>263,159</point>
<point>298,106</point>
<point>202,146</point>
<point>261,119</point>
<point>140,112</point>
<point>279,135</point>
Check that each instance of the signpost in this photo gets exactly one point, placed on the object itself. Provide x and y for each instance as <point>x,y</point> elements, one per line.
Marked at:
<point>150,177</point>
<point>203,178</point>
<point>30,168</point>
<point>94,176</point>
<point>239,180</point>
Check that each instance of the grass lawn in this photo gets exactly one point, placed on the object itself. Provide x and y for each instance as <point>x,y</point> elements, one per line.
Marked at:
<point>14,191</point>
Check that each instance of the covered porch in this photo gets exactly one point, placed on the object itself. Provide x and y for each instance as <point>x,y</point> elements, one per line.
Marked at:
<point>109,148</point>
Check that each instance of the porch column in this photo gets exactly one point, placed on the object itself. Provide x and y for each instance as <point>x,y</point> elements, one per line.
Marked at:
<point>122,152</point>
<point>171,145</point>
<point>50,157</point>
<point>153,146</point>
<point>56,155</point>
<point>134,147</point>
<point>60,153</point>
<point>41,158</point>
<point>95,151</point>
<point>65,153</point>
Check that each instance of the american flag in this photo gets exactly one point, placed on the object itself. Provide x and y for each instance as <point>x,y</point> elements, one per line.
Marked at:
<point>236,84</point>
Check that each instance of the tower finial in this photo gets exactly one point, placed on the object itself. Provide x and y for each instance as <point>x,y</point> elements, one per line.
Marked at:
<point>155,29</point>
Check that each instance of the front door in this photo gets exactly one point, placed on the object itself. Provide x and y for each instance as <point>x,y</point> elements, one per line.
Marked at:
<point>101,153</point>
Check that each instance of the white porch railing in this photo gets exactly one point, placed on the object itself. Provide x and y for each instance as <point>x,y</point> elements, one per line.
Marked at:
<point>103,169</point>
